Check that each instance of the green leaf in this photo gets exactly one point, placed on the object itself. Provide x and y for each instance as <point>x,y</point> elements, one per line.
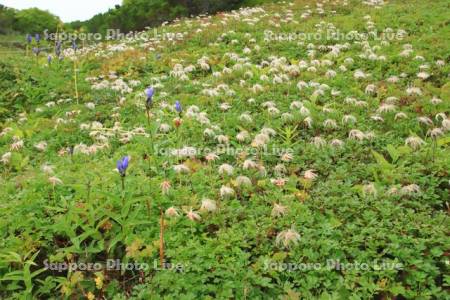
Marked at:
<point>437,252</point>
<point>381,160</point>
<point>393,153</point>
<point>443,141</point>
<point>279,256</point>
<point>397,290</point>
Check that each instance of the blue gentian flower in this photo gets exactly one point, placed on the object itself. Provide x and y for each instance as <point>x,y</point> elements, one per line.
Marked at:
<point>29,38</point>
<point>37,37</point>
<point>178,107</point>
<point>150,91</point>
<point>49,59</point>
<point>74,45</point>
<point>122,165</point>
<point>36,50</point>
<point>58,49</point>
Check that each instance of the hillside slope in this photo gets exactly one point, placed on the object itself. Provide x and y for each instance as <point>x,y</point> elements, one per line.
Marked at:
<point>289,151</point>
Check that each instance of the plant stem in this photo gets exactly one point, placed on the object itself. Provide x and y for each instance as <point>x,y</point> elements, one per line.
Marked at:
<point>76,79</point>
<point>161,237</point>
<point>88,196</point>
<point>178,138</point>
<point>151,132</point>
<point>434,149</point>
<point>123,190</point>
<point>53,194</point>
<point>148,117</point>
<point>56,39</point>
<point>148,207</point>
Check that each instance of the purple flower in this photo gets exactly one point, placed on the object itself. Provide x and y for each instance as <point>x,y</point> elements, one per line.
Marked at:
<point>122,165</point>
<point>36,50</point>
<point>49,59</point>
<point>29,38</point>
<point>178,107</point>
<point>150,91</point>
<point>74,45</point>
<point>37,37</point>
<point>58,48</point>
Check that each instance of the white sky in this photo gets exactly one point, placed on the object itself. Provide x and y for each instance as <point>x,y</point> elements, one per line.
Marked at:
<point>67,10</point>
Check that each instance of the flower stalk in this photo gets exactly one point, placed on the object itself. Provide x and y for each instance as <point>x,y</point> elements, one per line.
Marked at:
<point>161,237</point>
<point>75,77</point>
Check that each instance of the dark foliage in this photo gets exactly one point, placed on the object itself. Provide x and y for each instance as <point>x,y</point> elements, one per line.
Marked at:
<point>137,14</point>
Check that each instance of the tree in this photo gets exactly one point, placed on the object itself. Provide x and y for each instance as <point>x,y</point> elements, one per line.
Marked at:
<point>34,20</point>
<point>137,14</point>
<point>7,19</point>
